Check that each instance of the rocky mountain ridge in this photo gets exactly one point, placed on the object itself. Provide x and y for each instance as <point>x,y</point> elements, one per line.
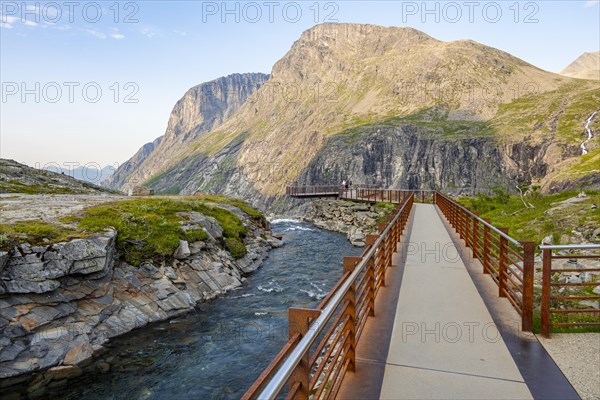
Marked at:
<point>586,66</point>
<point>341,80</point>
<point>19,178</point>
<point>201,109</point>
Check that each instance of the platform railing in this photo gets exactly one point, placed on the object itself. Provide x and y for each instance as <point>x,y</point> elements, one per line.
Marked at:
<point>312,190</point>
<point>562,299</point>
<point>375,195</point>
<point>322,341</point>
<point>509,262</point>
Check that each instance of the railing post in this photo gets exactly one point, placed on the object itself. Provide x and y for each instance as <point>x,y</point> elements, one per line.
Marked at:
<point>370,240</point>
<point>475,237</point>
<point>349,265</point>
<point>486,247</point>
<point>384,253</point>
<point>468,227</point>
<point>503,264</point>
<point>461,222</point>
<point>546,277</point>
<point>299,322</point>
<point>528,270</point>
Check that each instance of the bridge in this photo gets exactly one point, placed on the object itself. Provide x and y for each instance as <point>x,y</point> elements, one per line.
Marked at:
<point>440,304</point>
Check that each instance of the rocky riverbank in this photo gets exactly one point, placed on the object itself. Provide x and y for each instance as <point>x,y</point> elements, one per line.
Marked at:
<point>60,303</point>
<point>356,220</point>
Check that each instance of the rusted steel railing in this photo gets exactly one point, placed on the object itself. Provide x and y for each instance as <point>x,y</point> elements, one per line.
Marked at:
<point>383,195</point>
<point>557,296</point>
<point>509,262</point>
<point>312,190</point>
<point>374,194</point>
<point>321,347</point>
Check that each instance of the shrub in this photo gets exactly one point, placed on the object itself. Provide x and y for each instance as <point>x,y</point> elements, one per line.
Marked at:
<point>235,247</point>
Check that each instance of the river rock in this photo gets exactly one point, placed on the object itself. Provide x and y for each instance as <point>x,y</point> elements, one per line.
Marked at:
<point>274,242</point>
<point>63,372</point>
<point>79,354</point>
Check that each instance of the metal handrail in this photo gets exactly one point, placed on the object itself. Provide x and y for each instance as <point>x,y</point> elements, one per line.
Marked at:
<point>481,220</point>
<point>569,246</point>
<point>280,378</point>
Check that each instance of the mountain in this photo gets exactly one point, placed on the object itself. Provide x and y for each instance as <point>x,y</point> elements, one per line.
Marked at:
<point>89,173</point>
<point>19,178</point>
<point>201,109</point>
<point>396,107</point>
<point>586,66</point>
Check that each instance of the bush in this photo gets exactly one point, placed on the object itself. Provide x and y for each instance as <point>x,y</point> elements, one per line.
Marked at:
<point>235,247</point>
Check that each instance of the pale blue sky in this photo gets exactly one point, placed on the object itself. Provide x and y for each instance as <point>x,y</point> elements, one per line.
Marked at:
<point>163,48</point>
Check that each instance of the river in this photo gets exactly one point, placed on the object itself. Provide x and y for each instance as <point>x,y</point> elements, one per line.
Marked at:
<point>217,351</point>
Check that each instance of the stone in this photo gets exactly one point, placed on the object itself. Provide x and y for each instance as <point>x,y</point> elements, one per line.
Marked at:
<point>196,247</point>
<point>140,191</point>
<point>102,367</point>
<point>274,242</point>
<point>9,353</point>
<point>573,279</point>
<point>183,251</point>
<point>209,224</point>
<point>79,354</point>
<point>4,256</point>
<point>63,372</point>
<point>596,290</point>
<point>590,303</point>
<point>23,286</point>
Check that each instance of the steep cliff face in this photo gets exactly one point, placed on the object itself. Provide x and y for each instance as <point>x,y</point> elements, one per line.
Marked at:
<point>201,109</point>
<point>127,171</point>
<point>420,158</point>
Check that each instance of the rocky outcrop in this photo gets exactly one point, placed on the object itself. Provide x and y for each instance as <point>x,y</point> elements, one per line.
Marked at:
<point>19,178</point>
<point>60,303</point>
<point>356,220</point>
<point>202,108</point>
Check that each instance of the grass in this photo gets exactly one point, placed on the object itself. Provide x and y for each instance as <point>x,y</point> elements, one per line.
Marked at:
<point>35,233</point>
<point>564,318</point>
<point>434,118</point>
<point>241,204</point>
<point>533,224</point>
<point>14,186</point>
<point>148,228</point>
<point>571,104</point>
<point>387,208</point>
<point>151,227</point>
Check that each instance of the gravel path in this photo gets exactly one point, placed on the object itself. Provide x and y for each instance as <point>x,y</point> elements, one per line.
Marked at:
<point>578,356</point>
